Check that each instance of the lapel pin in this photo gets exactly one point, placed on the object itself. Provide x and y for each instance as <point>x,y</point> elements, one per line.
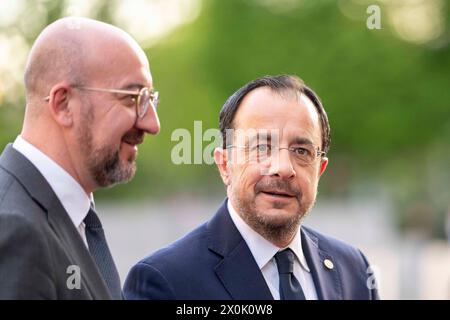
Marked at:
<point>328,263</point>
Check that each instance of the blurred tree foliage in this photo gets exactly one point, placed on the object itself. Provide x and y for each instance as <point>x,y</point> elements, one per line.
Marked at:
<point>387,99</point>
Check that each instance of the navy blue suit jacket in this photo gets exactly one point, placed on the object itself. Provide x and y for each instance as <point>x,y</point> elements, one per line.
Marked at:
<point>214,262</point>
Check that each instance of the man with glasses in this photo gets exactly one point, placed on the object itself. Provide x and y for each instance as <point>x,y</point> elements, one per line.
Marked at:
<point>89,103</point>
<point>276,138</point>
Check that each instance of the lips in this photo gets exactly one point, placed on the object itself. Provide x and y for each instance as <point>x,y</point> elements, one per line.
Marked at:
<point>133,142</point>
<point>278,193</point>
<point>277,188</point>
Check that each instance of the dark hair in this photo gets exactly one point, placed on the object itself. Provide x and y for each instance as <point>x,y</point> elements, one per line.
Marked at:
<point>278,83</point>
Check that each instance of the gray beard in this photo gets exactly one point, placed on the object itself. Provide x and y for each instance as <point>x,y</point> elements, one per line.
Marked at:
<point>105,167</point>
<point>103,163</point>
<point>275,232</point>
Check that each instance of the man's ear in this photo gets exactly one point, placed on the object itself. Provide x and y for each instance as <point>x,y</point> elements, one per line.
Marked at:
<point>58,103</point>
<point>221,160</point>
<point>323,166</point>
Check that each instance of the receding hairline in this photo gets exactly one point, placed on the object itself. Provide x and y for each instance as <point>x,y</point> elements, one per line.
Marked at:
<point>284,93</point>
<point>280,84</point>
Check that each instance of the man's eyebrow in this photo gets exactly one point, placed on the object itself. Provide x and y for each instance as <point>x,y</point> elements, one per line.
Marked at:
<point>261,137</point>
<point>302,140</point>
<point>132,86</point>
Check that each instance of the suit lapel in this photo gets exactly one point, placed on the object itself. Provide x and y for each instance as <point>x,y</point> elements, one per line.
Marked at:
<point>241,276</point>
<point>41,192</point>
<point>238,270</point>
<point>77,250</point>
<point>327,282</point>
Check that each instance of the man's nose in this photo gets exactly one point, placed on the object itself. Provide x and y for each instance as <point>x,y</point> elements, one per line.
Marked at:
<point>149,123</point>
<point>281,165</point>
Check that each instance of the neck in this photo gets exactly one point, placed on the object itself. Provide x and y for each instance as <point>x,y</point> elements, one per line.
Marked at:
<point>282,243</point>
<point>281,237</point>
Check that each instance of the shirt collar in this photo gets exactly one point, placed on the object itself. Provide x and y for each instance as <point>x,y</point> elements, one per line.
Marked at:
<point>262,249</point>
<point>72,196</point>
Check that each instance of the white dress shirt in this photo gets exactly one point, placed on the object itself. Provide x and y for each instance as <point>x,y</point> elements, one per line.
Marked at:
<point>264,253</point>
<point>72,196</point>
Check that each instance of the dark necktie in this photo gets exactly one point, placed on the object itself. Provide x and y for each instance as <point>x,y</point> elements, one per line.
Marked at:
<point>100,252</point>
<point>290,288</point>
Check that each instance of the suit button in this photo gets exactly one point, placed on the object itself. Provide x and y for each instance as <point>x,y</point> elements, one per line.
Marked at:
<point>328,263</point>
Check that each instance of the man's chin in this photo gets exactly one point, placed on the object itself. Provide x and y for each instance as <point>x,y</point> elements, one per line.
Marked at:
<point>277,217</point>
<point>122,173</point>
<point>128,170</point>
<point>279,205</point>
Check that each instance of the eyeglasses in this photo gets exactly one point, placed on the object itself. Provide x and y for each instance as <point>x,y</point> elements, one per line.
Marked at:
<point>144,97</point>
<point>302,155</point>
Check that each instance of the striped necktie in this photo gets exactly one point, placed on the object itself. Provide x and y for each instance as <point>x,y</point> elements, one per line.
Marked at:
<point>100,252</point>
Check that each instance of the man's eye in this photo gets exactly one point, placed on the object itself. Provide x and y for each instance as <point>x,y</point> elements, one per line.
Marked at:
<point>301,151</point>
<point>129,99</point>
<point>262,147</point>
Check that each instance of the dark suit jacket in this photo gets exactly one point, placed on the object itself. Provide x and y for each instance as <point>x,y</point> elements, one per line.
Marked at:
<point>38,241</point>
<point>214,262</point>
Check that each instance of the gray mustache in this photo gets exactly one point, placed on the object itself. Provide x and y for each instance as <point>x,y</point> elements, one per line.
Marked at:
<point>135,137</point>
<point>277,184</point>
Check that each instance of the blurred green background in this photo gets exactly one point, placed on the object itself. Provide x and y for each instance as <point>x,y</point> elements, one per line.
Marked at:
<point>386,91</point>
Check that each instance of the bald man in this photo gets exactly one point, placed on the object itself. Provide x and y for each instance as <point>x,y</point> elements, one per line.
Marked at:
<point>89,103</point>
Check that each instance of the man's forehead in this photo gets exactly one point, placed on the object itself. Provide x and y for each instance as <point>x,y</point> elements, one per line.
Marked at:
<point>123,73</point>
<point>136,82</point>
<point>266,107</point>
<point>293,117</point>
<point>312,111</point>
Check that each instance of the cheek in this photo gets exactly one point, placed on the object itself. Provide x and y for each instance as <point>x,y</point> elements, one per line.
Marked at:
<point>245,177</point>
<point>307,182</point>
<point>106,137</point>
<point>114,128</point>
<point>119,116</point>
